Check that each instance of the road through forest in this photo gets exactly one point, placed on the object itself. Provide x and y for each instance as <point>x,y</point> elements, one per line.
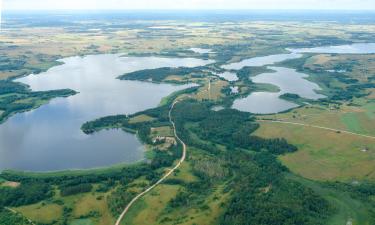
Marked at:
<point>131,203</point>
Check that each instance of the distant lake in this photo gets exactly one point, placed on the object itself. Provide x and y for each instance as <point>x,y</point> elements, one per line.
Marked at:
<point>229,76</point>
<point>361,48</point>
<point>263,103</point>
<point>261,61</point>
<point>201,50</point>
<point>288,80</point>
<point>49,138</point>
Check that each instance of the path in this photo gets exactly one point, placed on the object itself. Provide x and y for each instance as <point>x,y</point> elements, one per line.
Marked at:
<point>131,203</point>
<point>319,127</point>
<point>15,212</point>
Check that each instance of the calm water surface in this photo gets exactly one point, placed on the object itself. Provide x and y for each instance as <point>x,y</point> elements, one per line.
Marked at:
<point>49,138</point>
<point>201,50</point>
<point>288,80</point>
<point>263,103</point>
<point>261,61</point>
<point>229,76</point>
<point>363,48</point>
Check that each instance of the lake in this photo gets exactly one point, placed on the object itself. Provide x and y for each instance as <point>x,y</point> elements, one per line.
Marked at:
<point>49,138</point>
<point>201,50</point>
<point>359,48</point>
<point>229,76</point>
<point>263,103</point>
<point>261,61</point>
<point>288,80</point>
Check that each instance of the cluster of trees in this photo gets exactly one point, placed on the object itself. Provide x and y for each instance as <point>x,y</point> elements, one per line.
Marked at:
<point>119,198</point>
<point>228,127</point>
<point>341,87</point>
<point>262,195</point>
<point>35,189</point>
<point>246,72</point>
<point>26,193</point>
<point>67,189</point>
<point>12,94</point>
<point>10,218</point>
<point>165,158</point>
<point>8,64</point>
<point>158,75</point>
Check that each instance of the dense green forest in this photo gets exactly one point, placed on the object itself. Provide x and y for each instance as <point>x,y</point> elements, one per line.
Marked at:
<point>16,97</point>
<point>248,167</point>
<point>9,218</point>
<point>159,74</point>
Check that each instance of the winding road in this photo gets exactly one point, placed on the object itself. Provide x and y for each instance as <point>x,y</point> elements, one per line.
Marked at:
<point>131,203</point>
<point>319,127</point>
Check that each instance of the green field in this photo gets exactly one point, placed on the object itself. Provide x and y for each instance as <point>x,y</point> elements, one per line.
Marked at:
<point>324,155</point>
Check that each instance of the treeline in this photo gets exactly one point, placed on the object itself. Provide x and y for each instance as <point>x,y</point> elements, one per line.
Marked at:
<point>68,189</point>
<point>9,218</point>
<point>246,72</point>
<point>15,98</point>
<point>158,75</point>
<point>261,195</point>
<point>8,64</point>
<point>228,127</point>
<point>26,193</point>
<point>338,86</point>
<point>35,189</point>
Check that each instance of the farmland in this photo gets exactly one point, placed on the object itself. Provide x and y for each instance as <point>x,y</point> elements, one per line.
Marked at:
<point>313,164</point>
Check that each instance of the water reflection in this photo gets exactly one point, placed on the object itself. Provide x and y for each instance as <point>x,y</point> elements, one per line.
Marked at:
<point>359,48</point>
<point>261,61</point>
<point>49,138</point>
<point>263,103</point>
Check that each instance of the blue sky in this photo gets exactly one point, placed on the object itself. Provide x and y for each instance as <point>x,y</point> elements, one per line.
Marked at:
<point>188,4</point>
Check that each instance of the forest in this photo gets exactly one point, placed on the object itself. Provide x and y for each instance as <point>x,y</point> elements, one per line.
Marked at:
<point>16,98</point>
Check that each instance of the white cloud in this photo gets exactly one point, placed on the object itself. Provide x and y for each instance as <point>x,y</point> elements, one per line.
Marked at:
<point>189,4</point>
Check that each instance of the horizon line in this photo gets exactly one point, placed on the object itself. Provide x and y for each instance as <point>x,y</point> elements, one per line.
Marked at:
<point>192,9</point>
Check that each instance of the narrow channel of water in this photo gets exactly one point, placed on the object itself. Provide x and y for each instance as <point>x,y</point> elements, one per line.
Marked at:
<point>288,80</point>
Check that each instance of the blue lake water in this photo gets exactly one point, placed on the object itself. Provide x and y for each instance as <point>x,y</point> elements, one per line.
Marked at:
<point>288,80</point>
<point>49,138</point>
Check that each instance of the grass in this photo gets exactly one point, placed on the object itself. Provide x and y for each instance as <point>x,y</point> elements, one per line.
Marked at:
<point>346,207</point>
<point>208,212</point>
<point>81,222</point>
<point>214,93</point>
<point>82,205</point>
<point>91,203</point>
<point>165,131</point>
<point>149,209</point>
<point>324,155</point>
<point>141,118</point>
<point>153,207</point>
<point>98,171</point>
<point>355,118</point>
<point>352,122</point>
<point>42,212</point>
<point>184,173</point>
